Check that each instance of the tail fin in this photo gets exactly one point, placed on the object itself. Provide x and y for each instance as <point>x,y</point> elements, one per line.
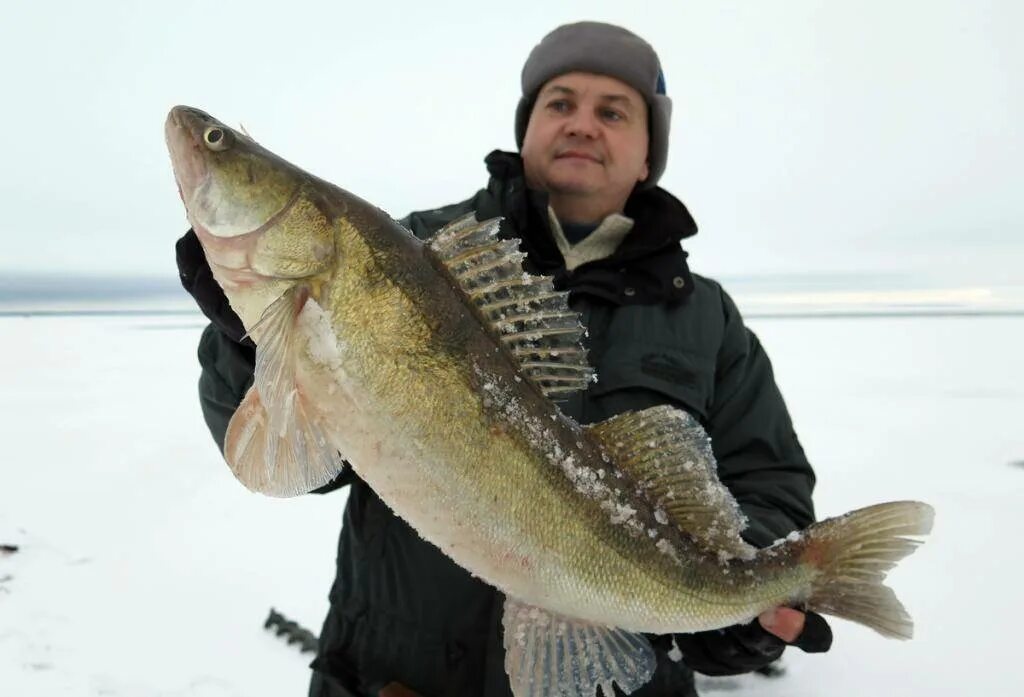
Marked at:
<point>854,552</point>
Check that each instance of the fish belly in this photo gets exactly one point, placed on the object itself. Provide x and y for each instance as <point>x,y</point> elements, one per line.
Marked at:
<point>496,505</point>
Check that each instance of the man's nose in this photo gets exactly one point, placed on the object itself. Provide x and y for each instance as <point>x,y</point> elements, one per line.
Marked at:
<point>583,123</point>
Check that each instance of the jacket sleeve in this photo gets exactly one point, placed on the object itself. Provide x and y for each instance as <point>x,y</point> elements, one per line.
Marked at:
<point>423,224</point>
<point>759,456</point>
<point>227,374</point>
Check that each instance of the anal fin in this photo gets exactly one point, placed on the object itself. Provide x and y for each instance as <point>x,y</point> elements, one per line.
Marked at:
<point>547,654</point>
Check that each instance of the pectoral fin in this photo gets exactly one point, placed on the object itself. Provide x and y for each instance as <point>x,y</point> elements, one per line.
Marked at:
<point>548,654</point>
<point>277,441</point>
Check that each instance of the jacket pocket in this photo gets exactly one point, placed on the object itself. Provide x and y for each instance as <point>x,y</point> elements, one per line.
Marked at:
<point>639,377</point>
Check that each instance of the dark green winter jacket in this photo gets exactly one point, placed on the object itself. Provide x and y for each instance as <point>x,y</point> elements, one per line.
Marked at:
<point>657,334</point>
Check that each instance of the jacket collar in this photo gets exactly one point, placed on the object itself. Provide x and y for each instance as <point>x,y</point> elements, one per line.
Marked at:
<point>660,219</point>
<point>651,251</point>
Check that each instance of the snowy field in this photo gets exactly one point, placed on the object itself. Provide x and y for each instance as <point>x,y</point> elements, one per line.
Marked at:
<point>145,569</point>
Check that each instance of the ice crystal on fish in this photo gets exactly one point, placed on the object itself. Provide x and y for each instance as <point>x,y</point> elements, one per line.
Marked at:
<point>665,547</point>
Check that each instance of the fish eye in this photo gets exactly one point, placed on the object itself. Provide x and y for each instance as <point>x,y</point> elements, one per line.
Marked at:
<point>215,138</point>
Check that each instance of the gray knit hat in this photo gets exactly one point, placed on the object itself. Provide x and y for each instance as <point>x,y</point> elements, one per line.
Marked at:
<point>604,49</point>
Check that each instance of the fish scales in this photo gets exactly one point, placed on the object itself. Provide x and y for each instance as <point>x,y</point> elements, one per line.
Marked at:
<point>484,477</point>
<point>431,367</point>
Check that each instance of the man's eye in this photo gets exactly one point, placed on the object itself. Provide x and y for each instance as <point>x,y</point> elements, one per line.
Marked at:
<point>559,105</point>
<point>612,115</point>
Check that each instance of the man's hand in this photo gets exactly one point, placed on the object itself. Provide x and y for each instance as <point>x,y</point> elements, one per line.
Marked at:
<point>784,622</point>
<point>197,278</point>
<point>808,631</point>
<point>743,648</point>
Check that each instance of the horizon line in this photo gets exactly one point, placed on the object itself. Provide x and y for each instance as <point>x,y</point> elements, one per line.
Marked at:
<point>803,315</point>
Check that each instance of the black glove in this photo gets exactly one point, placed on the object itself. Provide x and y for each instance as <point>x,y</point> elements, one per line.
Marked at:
<point>197,278</point>
<point>744,648</point>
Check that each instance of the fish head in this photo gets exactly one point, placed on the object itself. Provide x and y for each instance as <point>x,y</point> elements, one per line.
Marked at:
<point>255,214</point>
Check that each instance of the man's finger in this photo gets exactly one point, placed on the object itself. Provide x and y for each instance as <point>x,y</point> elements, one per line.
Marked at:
<point>784,622</point>
<point>808,632</point>
<point>816,636</point>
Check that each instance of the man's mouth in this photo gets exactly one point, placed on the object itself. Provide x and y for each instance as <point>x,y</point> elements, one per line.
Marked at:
<point>579,155</point>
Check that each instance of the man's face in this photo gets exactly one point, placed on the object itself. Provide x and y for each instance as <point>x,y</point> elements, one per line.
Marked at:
<point>587,136</point>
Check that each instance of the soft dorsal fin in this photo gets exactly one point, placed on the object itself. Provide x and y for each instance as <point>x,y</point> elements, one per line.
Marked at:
<point>669,455</point>
<point>531,318</point>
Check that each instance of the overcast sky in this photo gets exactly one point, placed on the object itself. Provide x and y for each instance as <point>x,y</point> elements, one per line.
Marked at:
<point>808,136</point>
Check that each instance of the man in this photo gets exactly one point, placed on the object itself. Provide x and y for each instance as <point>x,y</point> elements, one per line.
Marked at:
<point>592,126</point>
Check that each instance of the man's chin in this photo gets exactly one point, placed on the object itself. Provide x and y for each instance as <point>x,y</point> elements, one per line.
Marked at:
<point>574,186</point>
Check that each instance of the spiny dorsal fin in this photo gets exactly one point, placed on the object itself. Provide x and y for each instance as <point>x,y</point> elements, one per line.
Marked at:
<point>669,455</point>
<point>531,318</point>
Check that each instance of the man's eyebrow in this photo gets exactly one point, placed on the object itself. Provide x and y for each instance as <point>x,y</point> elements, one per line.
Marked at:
<point>562,89</point>
<point>621,98</point>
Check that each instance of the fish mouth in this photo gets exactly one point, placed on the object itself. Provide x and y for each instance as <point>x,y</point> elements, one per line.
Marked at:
<point>183,131</point>
<point>189,119</point>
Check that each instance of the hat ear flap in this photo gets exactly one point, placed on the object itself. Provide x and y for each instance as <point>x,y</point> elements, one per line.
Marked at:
<point>659,119</point>
<point>523,111</point>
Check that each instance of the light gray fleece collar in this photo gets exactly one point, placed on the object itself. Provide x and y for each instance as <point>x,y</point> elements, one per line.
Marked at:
<point>599,244</point>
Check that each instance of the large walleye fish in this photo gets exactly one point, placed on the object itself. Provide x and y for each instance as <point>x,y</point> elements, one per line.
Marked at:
<point>432,367</point>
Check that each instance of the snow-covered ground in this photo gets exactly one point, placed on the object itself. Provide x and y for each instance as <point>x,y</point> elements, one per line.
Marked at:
<point>145,569</point>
